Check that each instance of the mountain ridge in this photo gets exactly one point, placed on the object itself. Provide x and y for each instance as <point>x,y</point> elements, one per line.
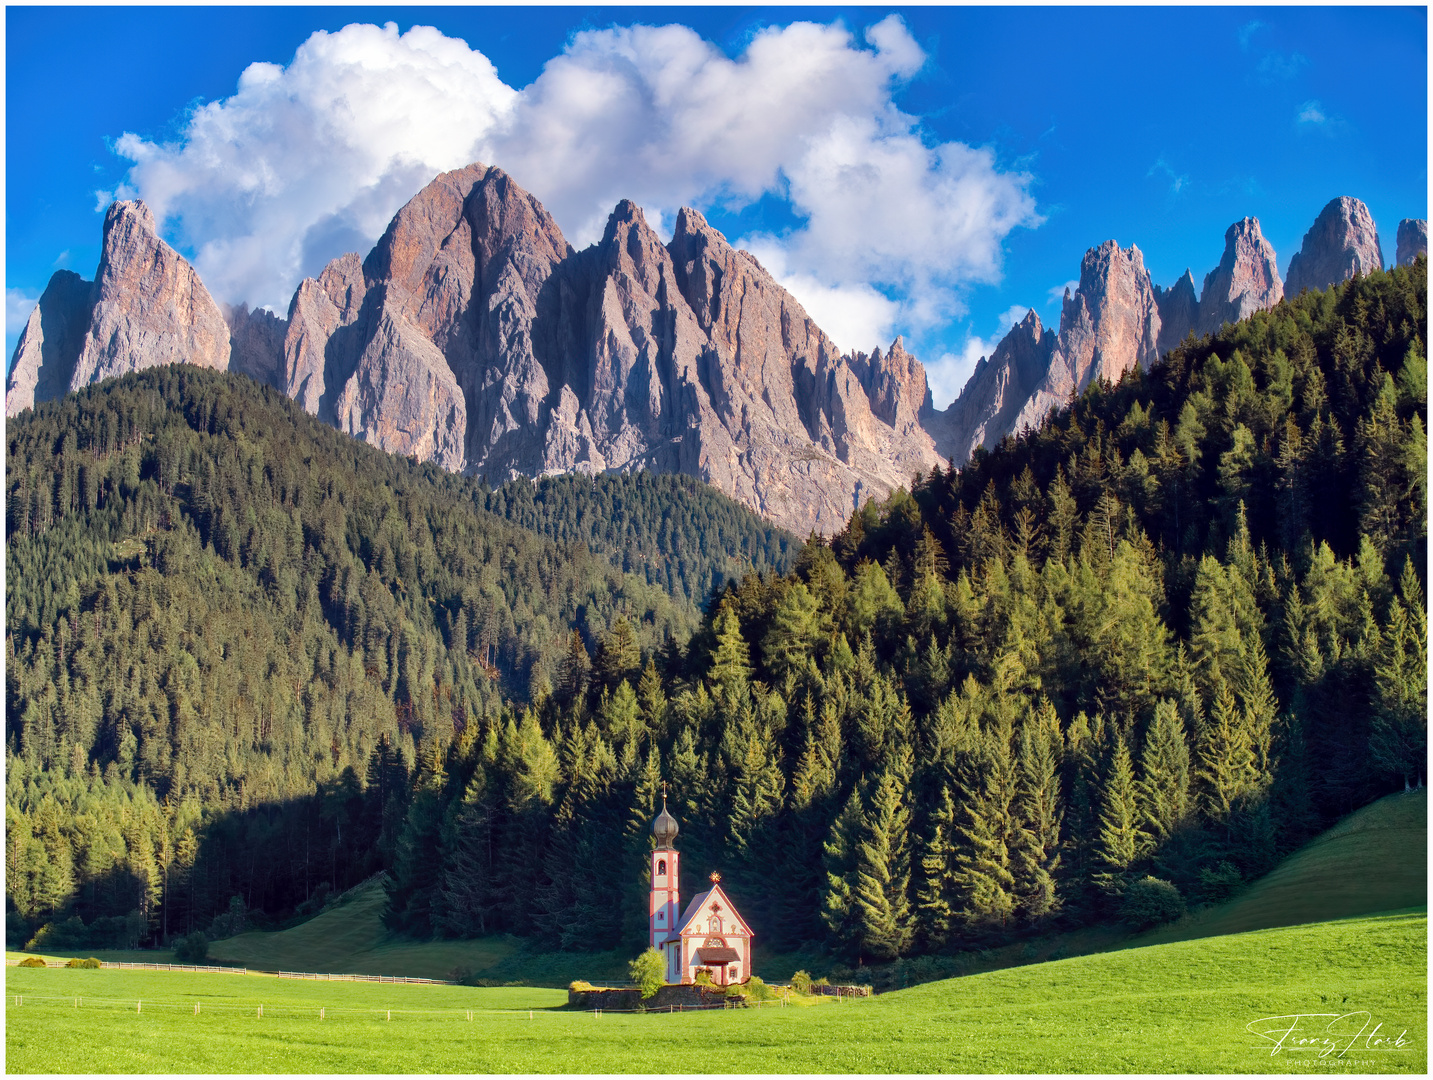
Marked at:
<point>474,335</point>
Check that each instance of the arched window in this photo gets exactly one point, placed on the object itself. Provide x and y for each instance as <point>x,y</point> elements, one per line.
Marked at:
<point>661,866</point>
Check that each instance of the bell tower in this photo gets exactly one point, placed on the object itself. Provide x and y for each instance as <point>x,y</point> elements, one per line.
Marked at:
<point>665,899</point>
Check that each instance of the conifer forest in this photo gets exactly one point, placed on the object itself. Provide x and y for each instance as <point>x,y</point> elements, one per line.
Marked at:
<point>1172,634</point>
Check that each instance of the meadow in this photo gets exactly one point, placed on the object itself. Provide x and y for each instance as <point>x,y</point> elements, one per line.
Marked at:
<point>1177,1007</point>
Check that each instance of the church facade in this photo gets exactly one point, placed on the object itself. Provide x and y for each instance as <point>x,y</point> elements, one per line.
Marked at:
<point>708,933</point>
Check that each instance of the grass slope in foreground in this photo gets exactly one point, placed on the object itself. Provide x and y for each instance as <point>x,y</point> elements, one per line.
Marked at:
<point>1180,1007</point>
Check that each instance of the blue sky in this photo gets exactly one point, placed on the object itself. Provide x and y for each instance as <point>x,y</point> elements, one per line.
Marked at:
<point>934,174</point>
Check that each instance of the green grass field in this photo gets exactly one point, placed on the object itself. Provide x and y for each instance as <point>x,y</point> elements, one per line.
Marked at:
<point>1181,1007</point>
<point>1376,859</point>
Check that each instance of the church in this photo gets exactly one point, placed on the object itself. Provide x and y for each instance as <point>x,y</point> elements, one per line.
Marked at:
<point>708,934</point>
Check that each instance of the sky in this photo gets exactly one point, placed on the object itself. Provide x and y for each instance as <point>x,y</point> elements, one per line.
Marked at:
<point>933,172</point>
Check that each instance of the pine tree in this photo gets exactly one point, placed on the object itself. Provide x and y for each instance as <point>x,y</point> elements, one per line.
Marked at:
<point>986,831</point>
<point>467,863</point>
<point>1164,775</point>
<point>1398,743</point>
<point>1228,766</point>
<point>1119,838</point>
<point>881,894</point>
<point>938,892</point>
<point>1037,853</point>
<point>840,855</point>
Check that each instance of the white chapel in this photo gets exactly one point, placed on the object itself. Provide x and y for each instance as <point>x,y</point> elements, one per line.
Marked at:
<point>708,934</point>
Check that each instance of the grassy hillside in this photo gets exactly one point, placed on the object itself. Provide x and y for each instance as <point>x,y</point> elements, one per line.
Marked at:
<point>351,938</point>
<point>1180,1007</point>
<point>1374,860</point>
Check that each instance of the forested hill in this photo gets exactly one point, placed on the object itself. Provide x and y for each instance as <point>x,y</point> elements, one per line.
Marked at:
<point>1171,635</point>
<point>672,529</point>
<point>215,601</point>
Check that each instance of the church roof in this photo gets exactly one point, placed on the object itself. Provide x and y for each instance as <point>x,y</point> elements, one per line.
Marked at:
<point>701,901</point>
<point>717,956</point>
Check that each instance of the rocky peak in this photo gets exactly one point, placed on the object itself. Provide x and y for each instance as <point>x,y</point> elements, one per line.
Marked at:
<point>1112,323</point>
<point>50,343</point>
<point>1178,311</point>
<point>1412,240</point>
<point>150,306</point>
<point>1245,281</point>
<point>899,392</point>
<point>256,344</point>
<point>1342,242</point>
<point>997,391</point>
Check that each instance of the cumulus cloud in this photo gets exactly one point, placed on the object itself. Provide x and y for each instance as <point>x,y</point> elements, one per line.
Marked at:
<point>310,160</point>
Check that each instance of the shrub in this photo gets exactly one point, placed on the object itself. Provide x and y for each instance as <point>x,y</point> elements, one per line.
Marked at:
<point>702,976</point>
<point>1151,901</point>
<point>580,985</point>
<point>801,982</point>
<point>649,971</point>
<point>757,990</point>
<point>1218,883</point>
<point>193,949</point>
<point>77,963</point>
<point>32,961</point>
<point>234,921</point>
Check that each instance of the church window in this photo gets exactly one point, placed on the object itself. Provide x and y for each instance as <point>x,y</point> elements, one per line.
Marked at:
<point>661,866</point>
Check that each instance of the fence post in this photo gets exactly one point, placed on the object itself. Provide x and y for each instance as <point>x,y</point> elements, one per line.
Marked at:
<point>320,1014</point>
<point>139,1006</point>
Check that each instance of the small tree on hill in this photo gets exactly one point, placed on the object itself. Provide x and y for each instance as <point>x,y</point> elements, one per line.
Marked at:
<point>649,971</point>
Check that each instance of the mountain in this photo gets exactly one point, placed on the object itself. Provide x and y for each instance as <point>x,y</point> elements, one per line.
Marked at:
<point>1412,240</point>
<point>473,335</point>
<point>1117,319</point>
<point>1107,326</point>
<point>1342,242</point>
<point>250,656</point>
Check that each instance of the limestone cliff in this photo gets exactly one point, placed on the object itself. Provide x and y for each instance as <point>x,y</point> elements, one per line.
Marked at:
<point>1245,281</point>
<point>1412,240</point>
<point>1342,242</point>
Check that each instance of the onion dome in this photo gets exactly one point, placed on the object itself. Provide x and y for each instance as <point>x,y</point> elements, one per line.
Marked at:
<point>665,827</point>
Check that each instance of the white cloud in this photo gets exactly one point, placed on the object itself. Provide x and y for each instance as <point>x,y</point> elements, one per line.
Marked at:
<point>1311,112</point>
<point>1247,31</point>
<point>18,305</point>
<point>1012,315</point>
<point>310,160</point>
<point>1057,294</point>
<point>948,374</point>
<point>1176,180</point>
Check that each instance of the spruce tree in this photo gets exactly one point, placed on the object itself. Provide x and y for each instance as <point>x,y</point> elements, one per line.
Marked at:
<point>881,894</point>
<point>1037,849</point>
<point>1119,838</point>
<point>1164,775</point>
<point>938,891</point>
